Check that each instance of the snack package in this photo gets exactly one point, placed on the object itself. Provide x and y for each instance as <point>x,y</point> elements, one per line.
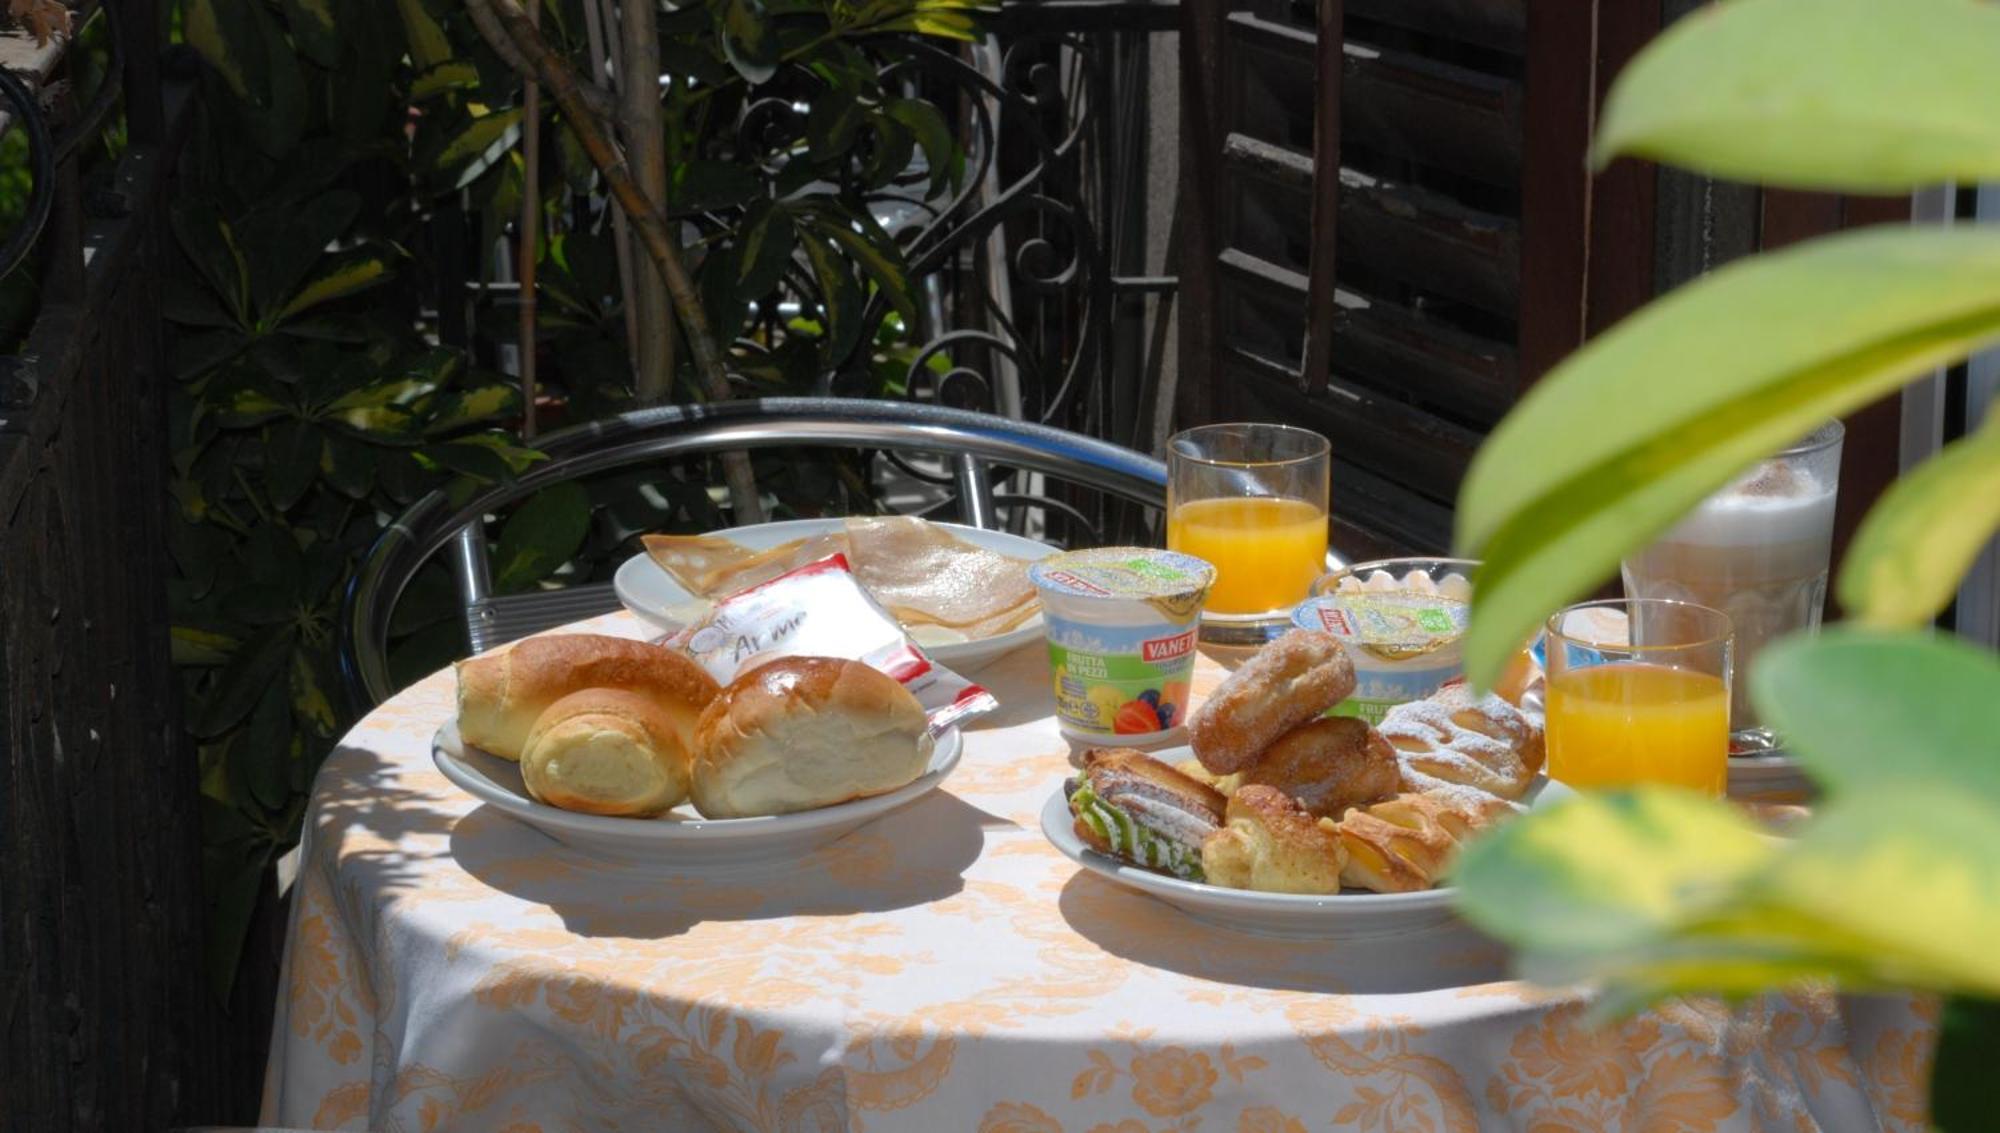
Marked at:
<point>819,610</point>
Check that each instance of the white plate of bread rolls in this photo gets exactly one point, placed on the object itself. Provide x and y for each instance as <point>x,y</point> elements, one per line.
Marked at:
<point>629,750</point>
<point>1280,820</point>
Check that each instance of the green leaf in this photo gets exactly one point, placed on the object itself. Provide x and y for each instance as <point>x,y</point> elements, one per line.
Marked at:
<point>698,185</point>
<point>473,147</point>
<point>309,699</point>
<point>941,151</point>
<point>233,892</point>
<point>348,465</point>
<point>229,40</point>
<point>748,40</point>
<point>456,74</point>
<point>242,682</point>
<point>1962,1074</point>
<point>211,246</point>
<point>312,26</point>
<point>429,46</point>
<point>832,126</point>
<point>1654,860</point>
<point>261,602</point>
<point>1634,429</point>
<point>1864,709</point>
<point>195,646</point>
<point>942,24</point>
<point>276,125</point>
<point>291,457</point>
<point>1817,94</point>
<point>282,242</point>
<point>1906,561</point>
<point>878,256</point>
<point>767,249</point>
<point>342,275</point>
<point>545,532</point>
<point>839,297</point>
<point>265,749</point>
<point>469,407</point>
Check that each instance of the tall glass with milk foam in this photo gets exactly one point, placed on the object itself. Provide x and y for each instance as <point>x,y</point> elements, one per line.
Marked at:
<point>1758,551</point>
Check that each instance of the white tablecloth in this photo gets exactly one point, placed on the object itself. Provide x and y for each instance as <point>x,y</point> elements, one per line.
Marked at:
<point>946,969</point>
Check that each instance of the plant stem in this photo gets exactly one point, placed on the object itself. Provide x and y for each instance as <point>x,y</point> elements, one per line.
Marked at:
<point>529,236</point>
<point>639,124</point>
<point>647,218</point>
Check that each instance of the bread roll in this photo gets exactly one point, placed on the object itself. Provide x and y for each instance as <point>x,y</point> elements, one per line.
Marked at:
<point>1272,846</point>
<point>500,694</point>
<point>1289,681</point>
<point>1328,765</point>
<point>606,751</point>
<point>804,732</point>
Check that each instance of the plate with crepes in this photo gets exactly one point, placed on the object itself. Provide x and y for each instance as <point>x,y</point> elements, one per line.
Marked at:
<point>1348,914</point>
<point>953,587</point>
<point>681,839</point>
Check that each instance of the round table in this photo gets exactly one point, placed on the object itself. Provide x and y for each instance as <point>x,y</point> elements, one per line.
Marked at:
<point>943,969</point>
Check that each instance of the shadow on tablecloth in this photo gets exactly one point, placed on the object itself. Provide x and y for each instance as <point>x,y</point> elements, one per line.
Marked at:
<point>912,856</point>
<point>1143,930</point>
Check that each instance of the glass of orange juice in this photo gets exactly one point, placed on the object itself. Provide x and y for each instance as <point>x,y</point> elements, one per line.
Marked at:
<point>1250,499</point>
<point>1638,692</point>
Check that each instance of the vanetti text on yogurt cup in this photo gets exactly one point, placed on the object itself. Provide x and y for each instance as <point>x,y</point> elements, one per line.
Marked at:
<point>1401,621</point>
<point>1121,624</point>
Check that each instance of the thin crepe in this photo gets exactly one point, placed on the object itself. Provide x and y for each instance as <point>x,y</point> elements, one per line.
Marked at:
<point>920,572</point>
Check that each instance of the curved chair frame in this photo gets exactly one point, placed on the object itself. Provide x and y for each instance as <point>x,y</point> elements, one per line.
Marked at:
<point>683,430</point>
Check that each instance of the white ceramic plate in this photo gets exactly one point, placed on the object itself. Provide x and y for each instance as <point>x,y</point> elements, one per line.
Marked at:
<point>649,591</point>
<point>680,840</point>
<point>1342,916</point>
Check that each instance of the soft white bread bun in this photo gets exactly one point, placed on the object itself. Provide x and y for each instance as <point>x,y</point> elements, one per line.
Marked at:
<point>804,732</point>
<point>500,694</point>
<point>606,751</point>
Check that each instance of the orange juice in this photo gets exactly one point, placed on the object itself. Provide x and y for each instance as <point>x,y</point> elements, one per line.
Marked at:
<point>1629,722</point>
<point>1266,550</point>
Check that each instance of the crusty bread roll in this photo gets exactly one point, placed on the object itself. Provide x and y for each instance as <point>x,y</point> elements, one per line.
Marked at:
<point>500,694</point>
<point>1328,765</point>
<point>606,751</point>
<point>804,732</point>
<point>1272,846</point>
<point>1289,681</point>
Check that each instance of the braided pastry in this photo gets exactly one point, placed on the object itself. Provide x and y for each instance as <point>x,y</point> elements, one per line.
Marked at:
<point>1455,737</point>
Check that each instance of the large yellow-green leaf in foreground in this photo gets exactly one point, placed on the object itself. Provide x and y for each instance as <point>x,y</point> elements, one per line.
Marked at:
<point>1920,538</point>
<point>1848,95</point>
<point>1866,709</point>
<point>1635,428</point>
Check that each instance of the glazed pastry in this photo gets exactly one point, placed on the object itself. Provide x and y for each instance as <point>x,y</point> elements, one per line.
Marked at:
<point>1328,765</point>
<point>1454,737</point>
<point>1272,845</point>
<point>1289,681</point>
<point>1133,807</point>
<point>605,751</point>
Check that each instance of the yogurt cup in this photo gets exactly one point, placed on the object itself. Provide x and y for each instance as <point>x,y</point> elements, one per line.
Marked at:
<point>1401,620</point>
<point>1121,625</point>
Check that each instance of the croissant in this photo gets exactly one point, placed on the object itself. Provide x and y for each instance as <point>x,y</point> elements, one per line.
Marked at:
<point>1405,844</point>
<point>1455,737</point>
<point>1272,845</point>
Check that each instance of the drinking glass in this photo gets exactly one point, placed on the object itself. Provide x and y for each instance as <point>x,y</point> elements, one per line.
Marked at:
<point>1638,692</point>
<point>1251,500</point>
<point>1757,551</point>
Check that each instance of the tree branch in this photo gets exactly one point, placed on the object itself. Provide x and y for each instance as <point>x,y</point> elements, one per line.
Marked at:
<point>648,219</point>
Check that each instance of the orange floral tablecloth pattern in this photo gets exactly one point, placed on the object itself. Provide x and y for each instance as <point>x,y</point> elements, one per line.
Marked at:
<point>945,969</point>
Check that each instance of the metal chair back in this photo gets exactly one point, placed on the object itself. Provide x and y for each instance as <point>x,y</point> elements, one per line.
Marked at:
<point>433,523</point>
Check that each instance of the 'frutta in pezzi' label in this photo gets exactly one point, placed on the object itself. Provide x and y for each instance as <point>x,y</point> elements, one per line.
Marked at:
<point>1121,624</point>
<point>1404,644</point>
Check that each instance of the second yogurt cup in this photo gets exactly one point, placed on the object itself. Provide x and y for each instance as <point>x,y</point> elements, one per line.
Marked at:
<point>1401,621</point>
<point>1121,625</point>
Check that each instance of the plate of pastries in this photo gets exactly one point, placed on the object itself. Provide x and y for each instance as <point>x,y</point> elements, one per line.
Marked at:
<point>962,593</point>
<point>631,750</point>
<point>1279,819</point>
